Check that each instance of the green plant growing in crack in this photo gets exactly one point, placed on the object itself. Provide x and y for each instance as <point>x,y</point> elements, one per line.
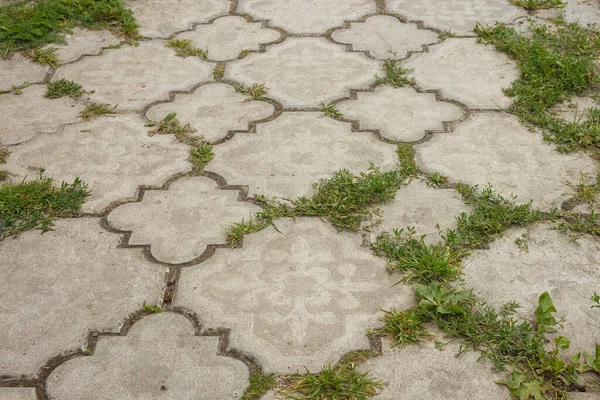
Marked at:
<point>436,180</point>
<point>200,155</point>
<point>446,34</point>
<point>555,65</point>
<point>538,4</point>
<point>255,92</point>
<point>331,111</point>
<point>152,309</point>
<point>243,53</point>
<point>36,203</point>
<point>169,125</point>
<point>63,88</point>
<point>596,299</point>
<point>219,72</point>
<point>395,74</point>
<point>94,110</point>
<point>43,56</point>
<point>28,25</point>
<point>185,48</point>
<point>259,385</point>
<point>342,381</point>
<point>4,152</point>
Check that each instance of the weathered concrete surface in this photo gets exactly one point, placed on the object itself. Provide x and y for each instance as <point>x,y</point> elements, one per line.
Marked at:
<point>113,155</point>
<point>213,110</point>
<point>569,270</point>
<point>160,358</point>
<point>456,16</point>
<point>18,70</point>
<point>84,42</point>
<point>583,12</point>
<point>17,393</point>
<point>307,16</point>
<point>74,281</point>
<point>305,72</point>
<point>467,71</point>
<point>162,18</point>
<point>495,148</point>
<point>27,115</point>
<point>133,77</point>
<point>400,114</point>
<point>384,37</point>
<point>298,298</point>
<point>226,37</point>
<point>186,218</point>
<point>287,155</point>
<point>424,208</point>
<point>575,110</point>
<point>422,372</point>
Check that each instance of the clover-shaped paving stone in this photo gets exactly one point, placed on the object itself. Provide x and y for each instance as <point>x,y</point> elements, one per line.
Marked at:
<point>385,37</point>
<point>84,42</point>
<point>114,155</point>
<point>161,357</point>
<point>467,71</point>
<point>134,76</point>
<point>27,115</point>
<point>456,16</point>
<point>413,370</point>
<point>287,155</point>
<point>301,295</point>
<point>17,70</point>
<point>400,114</point>
<point>162,18</point>
<point>226,37</point>
<point>214,110</point>
<point>495,148</point>
<point>305,72</point>
<point>58,285</point>
<point>192,214</point>
<point>307,16</point>
<point>546,260</point>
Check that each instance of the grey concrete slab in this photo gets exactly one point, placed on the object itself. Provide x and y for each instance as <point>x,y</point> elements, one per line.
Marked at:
<point>134,76</point>
<point>213,110</point>
<point>18,70</point>
<point>114,155</point>
<point>160,358</point>
<point>305,72</point>
<point>84,42</point>
<point>287,155</point>
<point>17,393</point>
<point>75,280</point>
<point>583,12</point>
<point>495,148</point>
<point>400,114</point>
<point>188,217</point>
<point>302,296</point>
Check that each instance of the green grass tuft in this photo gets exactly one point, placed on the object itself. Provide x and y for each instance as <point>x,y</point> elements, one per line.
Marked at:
<point>538,4</point>
<point>330,110</point>
<point>200,156</point>
<point>255,92</point>
<point>151,308</point>
<point>394,74</point>
<point>62,88</point>
<point>36,203</point>
<point>170,125</point>
<point>94,110</point>
<point>259,385</point>
<point>185,48</point>
<point>43,56</point>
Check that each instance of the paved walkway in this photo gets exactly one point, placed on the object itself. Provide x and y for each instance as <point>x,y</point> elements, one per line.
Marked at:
<point>299,296</point>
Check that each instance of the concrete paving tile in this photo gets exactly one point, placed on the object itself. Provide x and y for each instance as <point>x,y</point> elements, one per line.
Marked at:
<point>84,42</point>
<point>583,12</point>
<point>421,207</point>
<point>569,270</point>
<point>186,218</point>
<point>134,76</point>
<point>575,110</point>
<point>400,114</point>
<point>160,358</point>
<point>162,18</point>
<point>213,110</point>
<point>495,148</point>
<point>226,37</point>
<point>422,372</point>
<point>467,71</point>
<point>307,16</point>
<point>305,72</point>
<point>27,115</point>
<point>74,281</point>
<point>17,393</point>
<point>302,297</point>
<point>113,155</point>
<point>457,16</point>
<point>287,155</point>
<point>384,37</point>
<point>18,69</point>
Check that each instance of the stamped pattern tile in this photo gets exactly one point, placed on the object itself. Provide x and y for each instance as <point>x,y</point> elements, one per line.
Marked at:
<point>302,296</point>
<point>213,110</point>
<point>186,218</point>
